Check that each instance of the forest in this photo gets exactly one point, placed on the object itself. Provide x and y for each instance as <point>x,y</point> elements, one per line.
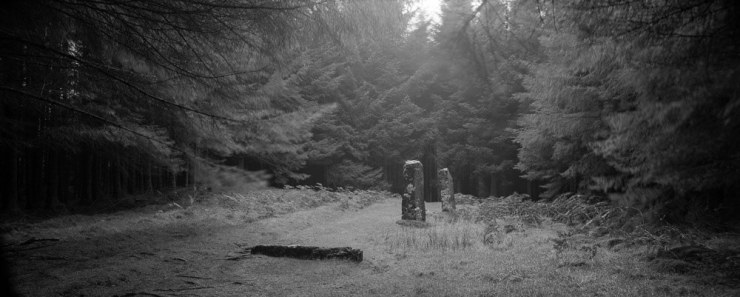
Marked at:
<point>637,102</point>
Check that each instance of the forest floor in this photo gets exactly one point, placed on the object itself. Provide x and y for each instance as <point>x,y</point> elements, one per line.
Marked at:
<point>199,249</point>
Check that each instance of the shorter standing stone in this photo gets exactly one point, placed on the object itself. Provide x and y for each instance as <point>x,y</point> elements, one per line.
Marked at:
<point>412,203</point>
<point>447,193</point>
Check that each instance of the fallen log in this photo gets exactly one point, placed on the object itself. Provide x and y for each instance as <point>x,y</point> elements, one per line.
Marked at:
<point>309,252</point>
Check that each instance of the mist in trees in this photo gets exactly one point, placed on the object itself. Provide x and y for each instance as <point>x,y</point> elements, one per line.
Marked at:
<point>635,101</point>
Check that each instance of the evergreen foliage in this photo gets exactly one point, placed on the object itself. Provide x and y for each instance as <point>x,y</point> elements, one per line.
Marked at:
<point>146,95</point>
<point>636,101</point>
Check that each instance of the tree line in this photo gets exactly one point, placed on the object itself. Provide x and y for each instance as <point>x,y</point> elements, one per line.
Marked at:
<point>102,99</point>
<point>635,101</point>
<point>631,100</point>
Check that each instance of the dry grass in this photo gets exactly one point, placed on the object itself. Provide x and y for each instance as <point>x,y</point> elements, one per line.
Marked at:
<point>440,235</point>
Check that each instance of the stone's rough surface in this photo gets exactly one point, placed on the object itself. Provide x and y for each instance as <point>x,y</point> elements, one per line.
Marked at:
<point>309,252</point>
<point>412,202</point>
<point>447,193</point>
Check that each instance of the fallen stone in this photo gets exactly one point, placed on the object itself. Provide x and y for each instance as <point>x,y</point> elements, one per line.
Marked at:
<point>308,252</point>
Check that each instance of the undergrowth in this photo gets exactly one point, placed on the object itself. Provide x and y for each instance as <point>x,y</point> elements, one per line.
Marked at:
<point>588,215</point>
<point>271,202</point>
<point>667,247</point>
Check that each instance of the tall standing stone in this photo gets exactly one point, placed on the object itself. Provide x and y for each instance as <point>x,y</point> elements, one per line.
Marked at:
<point>412,203</point>
<point>447,192</point>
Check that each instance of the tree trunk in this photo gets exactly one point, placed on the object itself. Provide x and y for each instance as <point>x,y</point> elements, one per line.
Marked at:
<point>149,185</point>
<point>99,178</point>
<point>37,182</point>
<point>117,173</point>
<point>28,189</point>
<point>52,201</point>
<point>79,178</point>
<point>11,202</point>
<point>65,171</point>
<point>131,179</point>
<point>87,181</point>
<point>482,187</point>
<point>140,179</point>
<point>395,172</point>
<point>125,175</point>
<point>431,186</point>
<point>187,175</point>
<point>110,176</point>
<point>194,170</point>
<point>325,175</point>
<point>494,185</point>
<point>157,177</point>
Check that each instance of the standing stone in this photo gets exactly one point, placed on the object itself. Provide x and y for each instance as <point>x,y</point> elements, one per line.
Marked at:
<point>447,192</point>
<point>412,203</point>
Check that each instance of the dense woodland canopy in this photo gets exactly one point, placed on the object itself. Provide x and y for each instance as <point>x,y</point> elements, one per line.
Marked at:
<point>637,101</point>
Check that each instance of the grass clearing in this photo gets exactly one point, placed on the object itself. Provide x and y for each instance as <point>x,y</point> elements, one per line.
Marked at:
<point>468,253</point>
